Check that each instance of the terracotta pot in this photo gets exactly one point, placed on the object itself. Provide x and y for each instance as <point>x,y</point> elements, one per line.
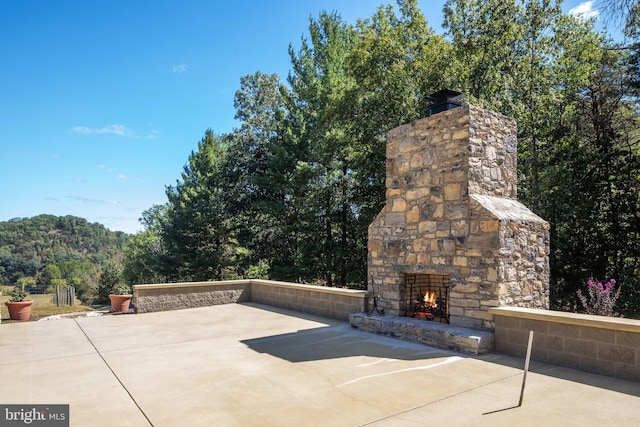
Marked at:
<point>120,303</point>
<point>20,310</point>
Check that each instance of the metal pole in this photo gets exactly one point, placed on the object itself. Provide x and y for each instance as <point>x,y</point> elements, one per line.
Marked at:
<point>526,367</point>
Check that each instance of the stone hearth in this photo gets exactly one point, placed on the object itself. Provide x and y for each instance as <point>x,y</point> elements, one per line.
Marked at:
<point>434,334</point>
<point>451,210</point>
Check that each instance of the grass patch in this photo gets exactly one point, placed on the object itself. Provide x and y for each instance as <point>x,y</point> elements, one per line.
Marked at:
<point>43,305</point>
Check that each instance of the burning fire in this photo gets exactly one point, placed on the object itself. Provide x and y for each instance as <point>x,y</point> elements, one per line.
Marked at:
<point>430,299</point>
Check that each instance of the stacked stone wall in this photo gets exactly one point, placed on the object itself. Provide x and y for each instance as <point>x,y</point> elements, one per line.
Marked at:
<point>451,209</point>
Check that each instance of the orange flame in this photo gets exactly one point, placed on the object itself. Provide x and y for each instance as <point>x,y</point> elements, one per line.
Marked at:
<point>430,299</point>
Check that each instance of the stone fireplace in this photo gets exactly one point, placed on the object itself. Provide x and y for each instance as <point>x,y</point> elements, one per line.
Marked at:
<point>452,217</point>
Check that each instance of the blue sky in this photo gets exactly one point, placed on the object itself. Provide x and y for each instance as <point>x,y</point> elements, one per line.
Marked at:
<point>102,101</point>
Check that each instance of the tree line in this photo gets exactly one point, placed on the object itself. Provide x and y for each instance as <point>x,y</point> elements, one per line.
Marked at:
<point>290,192</point>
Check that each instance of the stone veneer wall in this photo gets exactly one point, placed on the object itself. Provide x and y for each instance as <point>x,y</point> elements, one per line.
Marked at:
<point>335,303</point>
<point>174,296</point>
<point>602,345</point>
<point>451,209</point>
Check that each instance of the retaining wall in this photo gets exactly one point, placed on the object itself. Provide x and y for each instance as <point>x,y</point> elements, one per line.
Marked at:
<point>335,303</point>
<point>602,345</point>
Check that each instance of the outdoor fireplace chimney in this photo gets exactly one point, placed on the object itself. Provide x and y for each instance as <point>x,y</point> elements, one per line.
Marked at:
<point>451,215</point>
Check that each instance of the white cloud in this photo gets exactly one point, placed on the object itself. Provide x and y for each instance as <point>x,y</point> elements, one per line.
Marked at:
<point>180,68</point>
<point>106,168</point>
<point>86,200</point>
<point>82,129</point>
<point>118,174</point>
<point>585,11</point>
<point>113,129</point>
<point>153,134</point>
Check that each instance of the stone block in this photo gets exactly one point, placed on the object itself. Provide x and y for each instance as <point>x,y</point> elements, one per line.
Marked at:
<point>464,302</point>
<point>562,358</point>
<point>564,330</point>
<point>478,314</point>
<point>580,347</point>
<point>470,252</point>
<point>396,218</point>
<point>402,167</point>
<point>460,228</point>
<point>597,366</point>
<point>443,233</point>
<point>427,227</point>
<point>446,246</point>
<point>375,245</point>
<point>616,353</point>
<point>518,336</point>
<point>453,191</point>
<point>418,193</point>
<point>629,339</point>
<point>489,226</point>
<point>549,342</point>
<point>597,334</point>
<point>457,211</point>
<point>438,260</point>
<point>416,160</point>
<point>398,205</point>
<point>460,261</point>
<point>484,241</point>
<point>456,311</point>
<point>504,346</point>
<point>489,303</point>
<point>460,134</point>
<point>423,258</point>
<point>538,326</point>
<point>506,322</point>
<point>466,322</point>
<point>420,245</point>
<point>408,144</point>
<point>438,211</point>
<point>413,215</point>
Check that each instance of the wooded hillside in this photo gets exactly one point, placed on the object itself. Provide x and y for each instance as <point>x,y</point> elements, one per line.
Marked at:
<point>29,245</point>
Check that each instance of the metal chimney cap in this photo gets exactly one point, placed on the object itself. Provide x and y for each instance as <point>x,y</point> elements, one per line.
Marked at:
<point>443,100</point>
<point>445,94</point>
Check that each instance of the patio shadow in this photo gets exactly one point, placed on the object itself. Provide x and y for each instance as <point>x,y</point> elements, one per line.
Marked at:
<point>338,341</point>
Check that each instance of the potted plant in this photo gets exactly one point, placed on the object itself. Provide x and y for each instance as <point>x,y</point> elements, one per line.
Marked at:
<point>120,297</point>
<point>19,308</point>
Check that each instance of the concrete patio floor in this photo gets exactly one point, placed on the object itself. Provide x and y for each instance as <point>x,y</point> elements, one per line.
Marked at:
<point>254,365</point>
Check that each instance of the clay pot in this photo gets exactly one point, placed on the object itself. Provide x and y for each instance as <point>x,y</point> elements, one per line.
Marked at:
<point>120,303</point>
<point>20,310</point>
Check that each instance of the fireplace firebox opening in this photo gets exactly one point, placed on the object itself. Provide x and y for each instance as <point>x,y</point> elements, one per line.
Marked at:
<point>427,296</point>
